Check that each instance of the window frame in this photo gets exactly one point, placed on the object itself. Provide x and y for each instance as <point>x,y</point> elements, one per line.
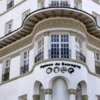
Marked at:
<point>22,64</point>
<point>60,43</point>
<point>7,30</point>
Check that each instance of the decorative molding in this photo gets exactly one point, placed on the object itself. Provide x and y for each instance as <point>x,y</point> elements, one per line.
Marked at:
<point>36,97</point>
<point>12,7</point>
<point>17,77</point>
<point>48,91</point>
<point>72,91</point>
<point>58,22</point>
<point>15,46</point>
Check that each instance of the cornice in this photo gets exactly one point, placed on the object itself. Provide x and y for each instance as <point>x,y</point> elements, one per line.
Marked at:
<point>44,61</point>
<point>51,23</point>
<point>12,7</point>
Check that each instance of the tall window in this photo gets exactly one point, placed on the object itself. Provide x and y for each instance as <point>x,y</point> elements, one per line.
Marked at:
<point>10,3</point>
<point>97,56</point>
<point>6,70</point>
<point>78,45</point>
<point>59,3</point>
<point>25,14</point>
<point>25,62</point>
<point>79,51</point>
<point>97,18</point>
<point>40,50</point>
<point>59,46</point>
<point>8,28</point>
<point>97,63</point>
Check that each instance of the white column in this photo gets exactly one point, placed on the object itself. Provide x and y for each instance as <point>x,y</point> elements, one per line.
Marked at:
<point>73,47</point>
<point>47,93</point>
<point>46,46</point>
<point>72,93</point>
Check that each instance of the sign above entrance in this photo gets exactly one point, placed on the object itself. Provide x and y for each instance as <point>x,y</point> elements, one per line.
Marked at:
<point>60,67</point>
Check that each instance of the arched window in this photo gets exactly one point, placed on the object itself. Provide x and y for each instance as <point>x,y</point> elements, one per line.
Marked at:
<point>81,91</point>
<point>38,91</point>
<point>60,90</point>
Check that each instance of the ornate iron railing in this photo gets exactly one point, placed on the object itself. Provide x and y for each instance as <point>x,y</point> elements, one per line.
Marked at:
<point>39,57</point>
<point>80,56</point>
<point>5,77</point>
<point>24,69</point>
<point>60,53</point>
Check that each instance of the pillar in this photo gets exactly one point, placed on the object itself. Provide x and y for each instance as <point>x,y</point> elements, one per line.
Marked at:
<point>73,47</point>
<point>48,93</point>
<point>36,97</point>
<point>72,94</point>
<point>46,45</point>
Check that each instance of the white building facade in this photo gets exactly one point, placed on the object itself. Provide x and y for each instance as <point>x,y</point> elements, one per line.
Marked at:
<point>49,50</point>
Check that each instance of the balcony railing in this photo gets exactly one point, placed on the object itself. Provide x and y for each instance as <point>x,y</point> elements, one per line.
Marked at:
<point>59,4</point>
<point>24,69</point>
<point>80,56</point>
<point>60,53</point>
<point>5,77</point>
<point>9,5</point>
<point>39,57</point>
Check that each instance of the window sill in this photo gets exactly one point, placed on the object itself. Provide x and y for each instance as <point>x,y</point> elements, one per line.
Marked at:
<point>12,7</point>
<point>98,2</point>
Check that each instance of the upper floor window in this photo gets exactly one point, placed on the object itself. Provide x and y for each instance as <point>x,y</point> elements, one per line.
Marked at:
<point>10,3</point>
<point>6,70</point>
<point>97,63</point>
<point>59,47</point>
<point>8,28</point>
<point>59,3</point>
<point>78,4</point>
<point>25,14</point>
<point>40,4</point>
<point>97,18</point>
<point>25,62</point>
<point>40,50</point>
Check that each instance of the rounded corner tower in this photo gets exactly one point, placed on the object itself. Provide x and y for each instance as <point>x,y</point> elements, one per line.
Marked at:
<point>50,50</point>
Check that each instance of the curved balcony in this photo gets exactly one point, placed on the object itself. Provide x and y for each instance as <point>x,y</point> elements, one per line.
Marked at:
<point>80,56</point>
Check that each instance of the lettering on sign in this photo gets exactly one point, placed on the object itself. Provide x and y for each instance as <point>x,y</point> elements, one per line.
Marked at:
<point>58,68</point>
